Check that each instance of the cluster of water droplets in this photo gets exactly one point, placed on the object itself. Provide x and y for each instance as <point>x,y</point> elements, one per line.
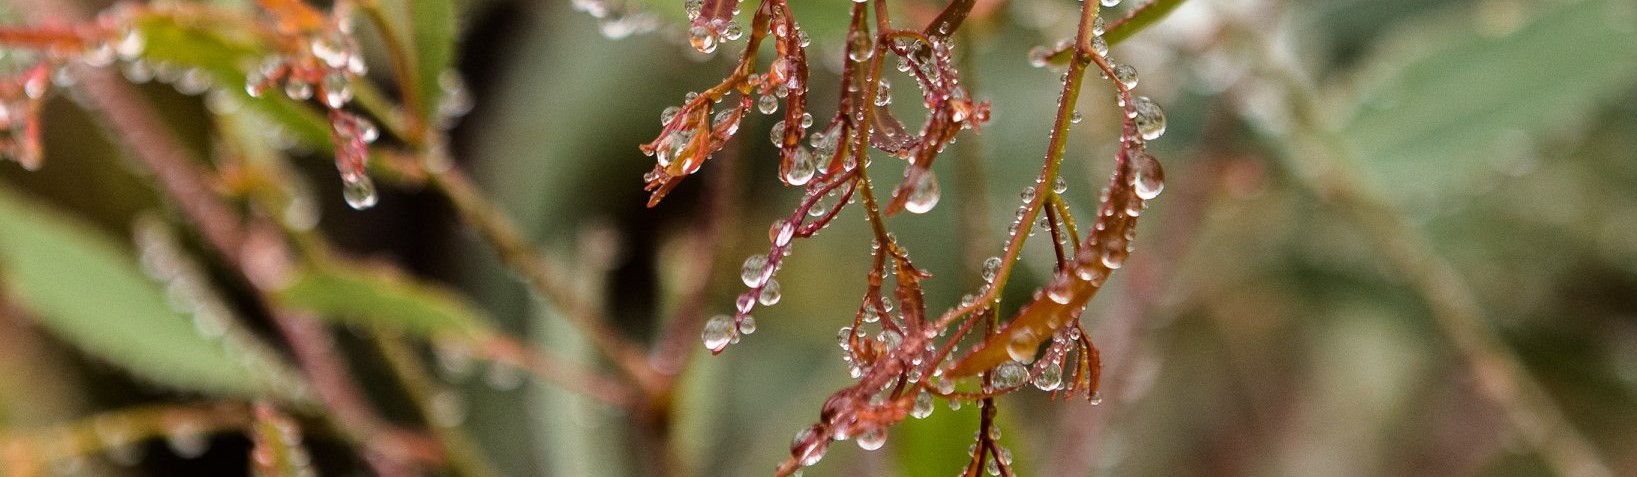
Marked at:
<point>278,448</point>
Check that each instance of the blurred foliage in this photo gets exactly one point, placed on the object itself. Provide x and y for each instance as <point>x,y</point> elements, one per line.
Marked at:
<point>1271,336</point>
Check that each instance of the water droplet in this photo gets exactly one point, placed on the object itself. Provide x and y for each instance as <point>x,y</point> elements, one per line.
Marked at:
<point>1099,46</point>
<point>780,232</point>
<point>923,406</point>
<point>991,267</point>
<point>1028,194</point>
<point>891,339</point>
<point>767,104</point>
<point>702,39</point>
<point>1126,75</point>
<point>1098,26</point>
<point>1096,398</point>
<point>809,445</point>
<point>1060,290</point>
<point>1050,378</point>
<point>770,293</point>
<point>925,194</point>
<point>668,114</point>
<point>992,467</point>
<point>777,133</point>
<point>1147,177</point>
<point>801,170</point>
<point>754,271</point>
<point>1076,117</point>
<point>717,333</point>
<point>1008,375</point>
<point>1039,55</point>
<point>845,337</point>
<point>1111,3</point>
<point>1150,119</point>
<point>733,32</point>
<point>873,439</point>
<point>336,91</point>
<point>359,193</point>
<point>861,48</point>
<point>1060,185</point>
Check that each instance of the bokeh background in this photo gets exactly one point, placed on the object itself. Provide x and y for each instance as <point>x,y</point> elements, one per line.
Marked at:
<point>1380,215</point>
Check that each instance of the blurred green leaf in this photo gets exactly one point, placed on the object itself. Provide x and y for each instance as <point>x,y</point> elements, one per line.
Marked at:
<point>434,28</point>
<point>226,55</point>
<point>370,297</point>
<point>89,291</point>
<point>1437,110</point>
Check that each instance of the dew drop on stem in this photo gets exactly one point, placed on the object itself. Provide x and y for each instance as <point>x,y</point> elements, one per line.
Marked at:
<point>924,196</point>
<point>1147,177</point>
<point>359,193</point>
<point>873,439</point>
<point>717,333</point>
<point>1008,375</point>
<point>770,293</point>
<point>1149,118</point>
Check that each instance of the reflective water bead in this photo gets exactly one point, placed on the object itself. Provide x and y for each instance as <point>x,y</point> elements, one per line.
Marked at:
<point>336,91</point>
<point>991,267</point>
<point>1076,117</point>
<point>806,120</point>
<point>802,168</point>
<point>923,405</point>
<point>1060,291</point>
<point>770,293</point>
<point>925,194</point>
<point>1111,3</point>
<point>298,89</point>
<point>767,104</point>
<point>702,39</point>
<point>1039,55</point>
<point>1050,378</point>
<point>733,32</point>
<point>1098,26</point>
<point>747,325</point>
<point>717,333</point>
<point>669,114</point>
<point>780,232</point>
<point>992,467</point>
<point>754,271</point>
<point>1009,374</point>
<point>873,439</point>
<point>1060,185</point>
<point>1150,119</point>
<point>745,302</point>
<point>1022,347</point>
<point>1147,177</point>
<point>359,193</point>
<point>777,133</point>
<point>845,337</point>
<point>891,339</point>
<point>1099,45</point>
<point>870,315</point>
<point>1126,75</point>
<point>1028,194</point>
<point>861,48</point>
<point>809,445</point>
<point>1096,398</point>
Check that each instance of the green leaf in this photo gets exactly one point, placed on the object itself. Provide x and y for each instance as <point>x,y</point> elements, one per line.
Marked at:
<point>89,291</point>
<point>434,28</point>
<point>383,298</point>
<point>1447,102</point>
<point>226,55</point>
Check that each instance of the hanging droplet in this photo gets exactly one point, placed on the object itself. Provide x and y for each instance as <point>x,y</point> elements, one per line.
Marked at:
<point>733,32</point>
<point>861,48</point>
<point>755,270</point>
<point>1126,75</point>
<point>1098,26</point>
<point>1096,398</point>
<point>1050,378</point>
<point>1008,375</point>
<point>1076,117</point>
<point>1150,119</point>
<point>925,194</point>
<point>1060,185</point>
<point>777,133</point>
<point>668,114</point>
<point>923,406</point>
<point>845,337</point>
<point>992,467</point>
<point>1060,291</point>
<point>991,267</point>
<point>767,104</point>
<point>702,39</point>
<point>298,89</point>
<point>802,168</point>
<point>747,325</point>
<point>717,333</point>
<point>336,91</point>
<point>780,232</point>
<point>1099,46</point>
<point>770,293</point>
<point>1111,3</point>
<point>870,315</point>
<point>1147,177</point>
<point>359,193</point>
<point>873,439</point>
<point>1022,347</point>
